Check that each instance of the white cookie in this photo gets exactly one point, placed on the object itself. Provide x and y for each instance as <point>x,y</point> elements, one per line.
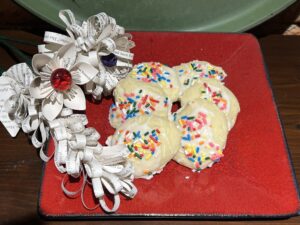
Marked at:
<point>215,92</point>
<point>152,141</point>
<point>190,72</point>
<point>204,132</point>
<point>134,98</point>
<point>159,74</point>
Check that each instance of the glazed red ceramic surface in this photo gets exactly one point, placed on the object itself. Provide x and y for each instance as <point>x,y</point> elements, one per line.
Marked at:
<point>253,179</point>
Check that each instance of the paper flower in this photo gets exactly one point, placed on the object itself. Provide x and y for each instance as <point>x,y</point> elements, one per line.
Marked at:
<point>114,63</point>
<point>19,78</point>
<point>58,79</point>
<point>98,41</point>
<point>15,97</point>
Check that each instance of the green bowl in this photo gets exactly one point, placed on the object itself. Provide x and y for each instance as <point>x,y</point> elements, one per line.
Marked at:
<point>166,15</point>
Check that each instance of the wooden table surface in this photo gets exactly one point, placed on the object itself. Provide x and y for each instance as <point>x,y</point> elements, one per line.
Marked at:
<point>20,166</point>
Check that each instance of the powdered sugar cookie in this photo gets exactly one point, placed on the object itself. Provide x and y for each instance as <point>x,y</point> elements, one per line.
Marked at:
<point>214,91</point>
<point>190,72</point>
<point>157,73</point>
<point>204,133</point>
<point>134,98</point>
<point>152,142</point>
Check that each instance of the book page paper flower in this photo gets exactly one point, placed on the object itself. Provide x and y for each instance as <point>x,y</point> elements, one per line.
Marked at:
<point>58,79</point>
<point>15,97</point>
<point>101,42</point>
<point>114,64</point>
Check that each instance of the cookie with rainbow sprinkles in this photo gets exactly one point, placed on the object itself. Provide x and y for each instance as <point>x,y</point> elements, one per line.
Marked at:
<point>214,91</point>
<point>190,72</point>
<point>203,134</point>
<point>158,74</point>
<point>152,142</point>
<point>135,98</point>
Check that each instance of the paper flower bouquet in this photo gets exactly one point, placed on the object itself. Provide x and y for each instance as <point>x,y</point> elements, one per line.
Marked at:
<point>49,100</point>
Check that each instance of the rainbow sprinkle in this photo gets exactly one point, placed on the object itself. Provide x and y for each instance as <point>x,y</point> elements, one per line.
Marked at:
<point>134,104</point>
<point>141,145</point>
<point>207,70</point>
<point>202,70</point>
<point>215,96</point>
<point>152,73</point>
<point>193,143</point>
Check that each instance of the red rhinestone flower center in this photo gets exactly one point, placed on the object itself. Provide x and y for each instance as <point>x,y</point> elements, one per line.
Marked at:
<point>61,79</point>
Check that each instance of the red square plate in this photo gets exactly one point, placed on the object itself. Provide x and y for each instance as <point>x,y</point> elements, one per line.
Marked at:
<point>255,179</point>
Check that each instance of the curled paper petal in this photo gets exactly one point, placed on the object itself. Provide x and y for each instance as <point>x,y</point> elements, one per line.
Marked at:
<point>109,44</point>
<point>60,156</point>
<point>39,89</point>
<point>16,107</point>
<point>56,38</point>
<point>33,120</point>
<point>6,80</point>
<point>67,17</point>
<point>67,55</point>
<point>73,164</point>
<point>48,49</point>
<point>123,54</point>
<point>74,98</point>
<point>115,206</point>
<point>52,108</point>
<point>106,33</point>
<point>39,61</point>
<point>124,43</point>
<point>82,73</point>
<point>20,73</point>
<point>11,126</point>
<point>40,136</point>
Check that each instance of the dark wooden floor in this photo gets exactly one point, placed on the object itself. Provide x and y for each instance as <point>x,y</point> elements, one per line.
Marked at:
<point>20,167</point>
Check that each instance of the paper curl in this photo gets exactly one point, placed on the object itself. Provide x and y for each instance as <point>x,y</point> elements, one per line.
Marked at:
<point>78,150</point>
